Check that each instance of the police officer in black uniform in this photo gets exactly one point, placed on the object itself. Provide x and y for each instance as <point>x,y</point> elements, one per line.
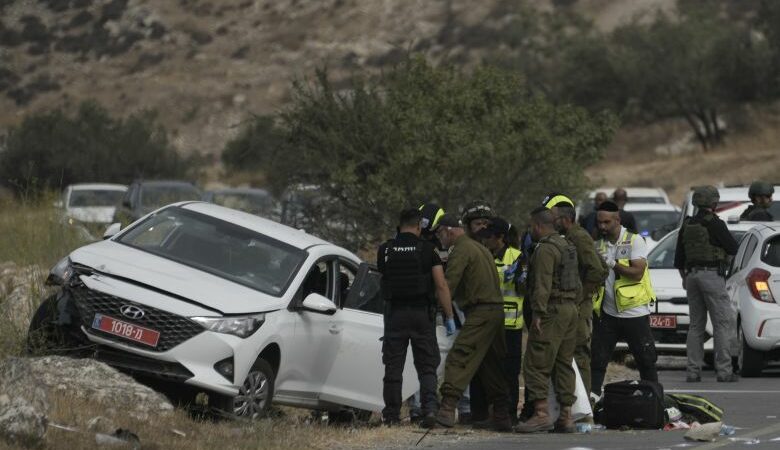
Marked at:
<point>412,279</point>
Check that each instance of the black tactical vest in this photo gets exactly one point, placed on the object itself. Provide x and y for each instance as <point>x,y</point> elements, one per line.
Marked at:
<point>696,242</point>
<point>403,278</point>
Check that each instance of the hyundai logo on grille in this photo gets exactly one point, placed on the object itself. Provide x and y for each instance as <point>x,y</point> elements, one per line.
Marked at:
<point>131,312</point>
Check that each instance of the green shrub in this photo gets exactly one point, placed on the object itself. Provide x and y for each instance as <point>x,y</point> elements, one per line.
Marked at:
<point>51,150</point>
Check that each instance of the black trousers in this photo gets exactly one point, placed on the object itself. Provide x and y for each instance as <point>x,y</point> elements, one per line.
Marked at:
<point>636,332</point>
<point>512,364</point>
<point>405,324</point>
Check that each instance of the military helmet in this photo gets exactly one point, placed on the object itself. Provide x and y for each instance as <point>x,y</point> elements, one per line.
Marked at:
<point>556,198</point>
<point>431,214</point>
<point>705,196</point>
<point>760,188</point>
<point>478,209</point>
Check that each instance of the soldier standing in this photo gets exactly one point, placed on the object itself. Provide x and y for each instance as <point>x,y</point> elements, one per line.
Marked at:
<point>479,348</point>
<point>592,270</point>
<point>553,289</point>
<point>703,247</point>
<point>411,274</point>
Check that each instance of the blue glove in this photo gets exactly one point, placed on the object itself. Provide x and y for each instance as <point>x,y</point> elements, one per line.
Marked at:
<point>449,325</point>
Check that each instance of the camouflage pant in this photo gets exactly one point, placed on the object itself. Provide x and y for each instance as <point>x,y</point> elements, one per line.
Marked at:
<point>549,354</point>
<point>479,351</point>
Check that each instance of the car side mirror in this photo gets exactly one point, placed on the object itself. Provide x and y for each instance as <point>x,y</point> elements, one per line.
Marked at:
<point>317,303</point>
<point>112,229</point>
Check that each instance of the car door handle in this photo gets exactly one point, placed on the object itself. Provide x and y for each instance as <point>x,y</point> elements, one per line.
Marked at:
<point>334,329</point>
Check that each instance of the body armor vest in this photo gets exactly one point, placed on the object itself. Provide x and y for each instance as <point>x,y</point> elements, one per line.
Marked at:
<point>696,242</point>
<point>566,278</point>
<point>403,278</point>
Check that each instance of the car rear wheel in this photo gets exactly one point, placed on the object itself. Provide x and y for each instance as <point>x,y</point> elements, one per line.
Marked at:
<point>255,394</point>
<point>751,362</point>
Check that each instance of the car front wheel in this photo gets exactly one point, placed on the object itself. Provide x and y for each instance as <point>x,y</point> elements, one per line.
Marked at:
<point>751,362</point>
<point>255,394</point>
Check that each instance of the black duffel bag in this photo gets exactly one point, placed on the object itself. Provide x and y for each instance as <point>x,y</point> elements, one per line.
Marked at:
<point>633,404</point>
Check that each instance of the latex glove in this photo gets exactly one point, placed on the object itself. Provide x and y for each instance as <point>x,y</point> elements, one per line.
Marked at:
<point>449,325</point>
<point>610,263</point>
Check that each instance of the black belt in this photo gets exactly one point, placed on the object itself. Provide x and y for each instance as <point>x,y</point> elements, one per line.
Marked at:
<point>698,268</point>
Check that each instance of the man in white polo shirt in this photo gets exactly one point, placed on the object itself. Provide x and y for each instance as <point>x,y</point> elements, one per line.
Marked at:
<point>623,307</point>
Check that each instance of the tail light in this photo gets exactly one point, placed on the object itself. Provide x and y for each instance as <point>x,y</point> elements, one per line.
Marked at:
<point>758,282</point>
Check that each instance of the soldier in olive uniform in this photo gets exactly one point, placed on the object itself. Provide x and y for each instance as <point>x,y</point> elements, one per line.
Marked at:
<point>553,290</point>
<point>760,193</point>
<point>593,272</point>
<point>703,247</point>
<point>479,348</point>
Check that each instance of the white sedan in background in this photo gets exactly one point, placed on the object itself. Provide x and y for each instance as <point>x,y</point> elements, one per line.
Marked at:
<point>754,287</point>
<point>92,203</point>
<point>228,303</point>
<point>651,217</point>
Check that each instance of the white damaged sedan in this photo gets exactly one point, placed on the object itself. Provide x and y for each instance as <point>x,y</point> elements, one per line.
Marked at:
<point>229,303</point>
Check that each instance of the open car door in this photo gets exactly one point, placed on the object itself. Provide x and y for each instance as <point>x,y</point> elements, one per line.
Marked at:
<point>356,375</point>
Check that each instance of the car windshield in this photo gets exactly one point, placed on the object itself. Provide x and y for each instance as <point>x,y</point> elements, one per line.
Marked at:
<point>771,253</point>
<point>153,197</point>
<point>253,203</point>
<point>219,248</point>
<point>84,198</point>
<point>647,221</point>
<point>662,255</point>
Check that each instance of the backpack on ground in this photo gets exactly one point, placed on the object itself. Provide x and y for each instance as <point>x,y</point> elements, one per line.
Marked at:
<point>633,404</point>
<point>695,408</point>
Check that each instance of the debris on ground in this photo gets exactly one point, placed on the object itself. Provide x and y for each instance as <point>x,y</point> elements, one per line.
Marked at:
<point>704,433</point>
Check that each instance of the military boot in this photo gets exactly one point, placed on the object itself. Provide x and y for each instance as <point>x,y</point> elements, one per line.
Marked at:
<point>540,421</point>
<point>446,415</point>
<point>500,420</point>
<point>565,422</point>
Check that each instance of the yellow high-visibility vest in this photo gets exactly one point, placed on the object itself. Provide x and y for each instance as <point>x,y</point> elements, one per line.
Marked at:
<point>629,294</point>
<point>513,303</point>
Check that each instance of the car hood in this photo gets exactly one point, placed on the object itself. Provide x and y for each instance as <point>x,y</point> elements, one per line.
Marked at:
<point>667,284</point>
<point>137,266</point>
<point>97,214</point>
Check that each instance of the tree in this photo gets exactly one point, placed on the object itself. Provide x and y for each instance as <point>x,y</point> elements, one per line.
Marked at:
<point>424,133</point>
<point>256,142</point>
<point>50,150</point>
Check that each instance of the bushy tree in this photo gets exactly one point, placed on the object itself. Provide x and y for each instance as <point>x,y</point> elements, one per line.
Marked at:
<point>425,133</point>
<point>52,149</point>
<point>258,140</point>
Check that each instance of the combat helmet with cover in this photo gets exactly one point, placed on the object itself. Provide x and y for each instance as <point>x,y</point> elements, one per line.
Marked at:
<point>705,196</point>
<point>478,209</point>
<point>760,188</point>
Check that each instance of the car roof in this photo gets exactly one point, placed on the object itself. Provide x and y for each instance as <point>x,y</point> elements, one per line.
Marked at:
<point>632,191</point>
<point>651,207</point>
<point>256,191</point>
<point>296,238</point>
<point>97,187</point>
<point>164,183</point>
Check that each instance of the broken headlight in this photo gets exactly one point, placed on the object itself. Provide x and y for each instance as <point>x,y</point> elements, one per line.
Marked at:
<point>60,273</point>
<point>241,326</point>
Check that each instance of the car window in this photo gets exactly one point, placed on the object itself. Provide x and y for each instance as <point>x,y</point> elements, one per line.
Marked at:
<point>317,281</point>
<point>655,200</point>
<point>749,249</point>
<point>347,274</point>
<point>366,294</point>
<point>647,221</point>
<point>662,255</point>
<point>94,197</point>
<point>218,247</point>
<point>153,197</point>
<point>771,253</point>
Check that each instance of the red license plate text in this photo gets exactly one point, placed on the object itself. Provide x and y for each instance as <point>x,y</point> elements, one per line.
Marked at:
<point>663,321</point>
<point>126,330</point>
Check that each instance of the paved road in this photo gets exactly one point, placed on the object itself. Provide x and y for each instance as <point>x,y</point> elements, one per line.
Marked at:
<point>752,405</point>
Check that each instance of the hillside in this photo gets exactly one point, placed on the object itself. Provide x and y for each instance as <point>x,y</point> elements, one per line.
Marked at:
<point>206,65</point>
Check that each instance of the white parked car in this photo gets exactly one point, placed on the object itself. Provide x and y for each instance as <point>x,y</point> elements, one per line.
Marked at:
<point>670,318</point>
<point>754,287</point>
<point>651,217</point>
<point>733,201</point>
<point>92,203</point>
<point>231,304</point>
